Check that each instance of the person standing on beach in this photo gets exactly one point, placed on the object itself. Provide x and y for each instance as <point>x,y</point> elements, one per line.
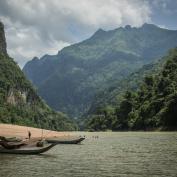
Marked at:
<point>29,135</point>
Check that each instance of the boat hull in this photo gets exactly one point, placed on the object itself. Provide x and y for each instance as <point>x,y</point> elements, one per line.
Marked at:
<point>74,141</point>
<point>26,150</point>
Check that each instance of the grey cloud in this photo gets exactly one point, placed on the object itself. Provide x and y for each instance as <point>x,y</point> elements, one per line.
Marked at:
<point>45,26</point>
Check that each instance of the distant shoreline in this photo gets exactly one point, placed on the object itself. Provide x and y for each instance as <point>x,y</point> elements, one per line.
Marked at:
<point>10,130</point>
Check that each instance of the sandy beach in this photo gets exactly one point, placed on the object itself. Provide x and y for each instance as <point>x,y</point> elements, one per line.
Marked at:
<point>10,130</point>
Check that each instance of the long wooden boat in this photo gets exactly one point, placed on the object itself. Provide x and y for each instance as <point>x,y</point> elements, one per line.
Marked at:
<point>69,141</point>
<point>27,149</point>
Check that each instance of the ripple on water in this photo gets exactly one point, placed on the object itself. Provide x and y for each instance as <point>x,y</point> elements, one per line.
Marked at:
<point>123,154</point>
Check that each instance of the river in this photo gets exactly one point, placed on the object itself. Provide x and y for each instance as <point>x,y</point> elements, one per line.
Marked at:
<point>124,154</point>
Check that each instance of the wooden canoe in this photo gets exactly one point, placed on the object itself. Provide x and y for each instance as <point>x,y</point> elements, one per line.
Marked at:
<point>27,150</point>
<point>71,141</point>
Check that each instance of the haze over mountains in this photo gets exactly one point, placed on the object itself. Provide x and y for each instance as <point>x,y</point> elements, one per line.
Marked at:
<point>70,80</point>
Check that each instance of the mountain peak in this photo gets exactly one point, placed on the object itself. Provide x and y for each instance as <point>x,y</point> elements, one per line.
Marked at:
<point>148,26</point>
<point>35,58</point>
<point>2,40</point>
<point>127,27</point>
<point>100,31</point>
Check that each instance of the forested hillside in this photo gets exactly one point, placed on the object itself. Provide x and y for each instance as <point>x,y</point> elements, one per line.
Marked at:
<point>19,102</point>
<point>70,80</point>
<point>153,106</point>
<point>114,92</point>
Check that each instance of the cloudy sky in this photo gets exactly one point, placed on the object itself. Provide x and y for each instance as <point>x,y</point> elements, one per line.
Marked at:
<point>38,27</point>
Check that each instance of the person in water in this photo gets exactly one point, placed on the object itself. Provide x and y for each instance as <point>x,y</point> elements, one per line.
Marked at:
<point>29,135</point>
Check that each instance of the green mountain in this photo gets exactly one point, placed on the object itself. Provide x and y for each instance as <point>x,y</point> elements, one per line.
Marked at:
<point>152,106</point>
<point>19,102</point>
<point>70,80</point>
<point>114,92</point>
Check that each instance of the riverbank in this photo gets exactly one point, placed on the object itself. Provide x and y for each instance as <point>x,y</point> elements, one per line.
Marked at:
<point>10,130</point>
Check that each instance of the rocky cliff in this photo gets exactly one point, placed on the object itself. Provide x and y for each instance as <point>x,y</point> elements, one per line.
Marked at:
<point>19,102</point>
<point>2,39</point>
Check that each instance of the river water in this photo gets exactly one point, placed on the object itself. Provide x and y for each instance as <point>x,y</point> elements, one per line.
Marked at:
<point>125,154</point>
